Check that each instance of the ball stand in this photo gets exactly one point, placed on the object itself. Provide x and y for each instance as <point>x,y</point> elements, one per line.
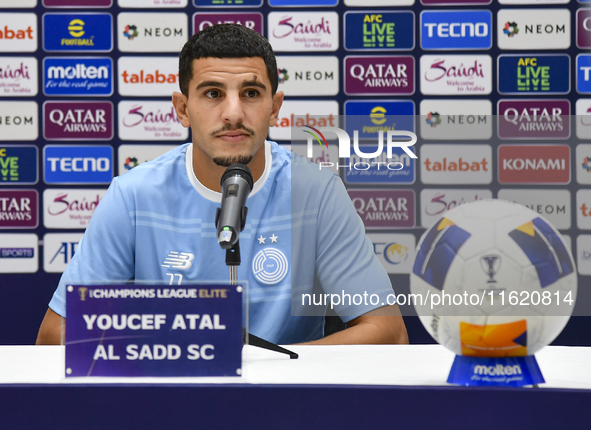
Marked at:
<point>495,371</point>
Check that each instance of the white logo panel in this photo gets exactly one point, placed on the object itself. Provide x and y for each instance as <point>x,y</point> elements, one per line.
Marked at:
<point>520,29</point>
<point>395,251</point>
<point>444,119</point>
<point>19,253</point>
<point>436,202</point>
<point>584,254</point>
<point>149,120</point>
<point>152,32</point>
<point>148,76</point>
<point>18,32</point>
<point>456,164</point>
<point>21,4</point>
<point>456,74</point>
<point>19,121</point>
<point>368,3</point>
<point>303,31</point>
<point>18,77</point>
<point>131,156</point>
<point>308,76</point>
<point>153,3</point>
<point>58,250</point>
<point>317,113</point>
<point>270,266</point>
<point>70,208</point>
<point>319,155</point>
<point>554,205</point>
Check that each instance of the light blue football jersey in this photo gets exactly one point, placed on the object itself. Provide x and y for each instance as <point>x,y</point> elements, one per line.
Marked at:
<point>302,236</point>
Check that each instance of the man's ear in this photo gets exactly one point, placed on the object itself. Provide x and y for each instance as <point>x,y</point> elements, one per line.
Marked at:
<point>277,102</point>
<point>179,102</point>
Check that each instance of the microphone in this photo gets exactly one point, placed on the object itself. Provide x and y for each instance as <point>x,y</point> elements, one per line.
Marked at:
<point>237,183</point>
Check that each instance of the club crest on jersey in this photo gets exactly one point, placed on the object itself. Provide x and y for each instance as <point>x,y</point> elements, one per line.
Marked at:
<point>179,260</point>
<point>270,266</point>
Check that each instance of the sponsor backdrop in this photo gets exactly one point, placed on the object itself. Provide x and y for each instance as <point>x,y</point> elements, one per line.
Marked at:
<point>85,90</point>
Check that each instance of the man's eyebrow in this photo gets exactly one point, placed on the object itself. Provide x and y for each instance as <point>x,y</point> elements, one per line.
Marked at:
<point>253,84</point>
<point>211,84</point>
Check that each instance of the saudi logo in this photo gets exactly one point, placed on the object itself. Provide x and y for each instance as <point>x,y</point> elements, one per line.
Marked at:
<point>282,75</point>
<point>270,266</point>
<point>510,29</point>
<point>433,119</point>
<point>130,32</point>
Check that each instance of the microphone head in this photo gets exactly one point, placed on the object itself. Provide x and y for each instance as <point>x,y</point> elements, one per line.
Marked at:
<point>238,170</point>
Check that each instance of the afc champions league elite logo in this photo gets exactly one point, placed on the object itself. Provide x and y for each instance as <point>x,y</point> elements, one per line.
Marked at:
<point>269,265</point>
<point>491,264</point>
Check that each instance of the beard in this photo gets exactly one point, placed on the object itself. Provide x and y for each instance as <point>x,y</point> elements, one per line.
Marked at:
<point>232,159</point>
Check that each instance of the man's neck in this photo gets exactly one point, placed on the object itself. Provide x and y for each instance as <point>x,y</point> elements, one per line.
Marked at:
<point>210,174</point>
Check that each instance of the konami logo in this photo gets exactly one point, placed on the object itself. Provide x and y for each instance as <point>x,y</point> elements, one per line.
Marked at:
<point>456,164</point>
<point>534,164</point>
<point>148,76</point>
<point>18,32</point>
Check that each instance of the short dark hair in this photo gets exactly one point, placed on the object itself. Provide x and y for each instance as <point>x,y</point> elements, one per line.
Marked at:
<point>225,41</point>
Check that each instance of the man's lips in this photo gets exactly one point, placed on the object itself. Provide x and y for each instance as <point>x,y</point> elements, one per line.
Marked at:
<point>233,136</point>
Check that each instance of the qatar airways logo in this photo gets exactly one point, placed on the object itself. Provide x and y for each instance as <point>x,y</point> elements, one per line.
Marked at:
<point>70,208</point>
<point>387,75</point>
<point>456,74</point>
<point>304,31</point>
<point>149,120</point>
<point>78,120</point>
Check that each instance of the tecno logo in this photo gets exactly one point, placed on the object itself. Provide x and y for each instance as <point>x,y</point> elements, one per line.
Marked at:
<point>152,32</point>
<point>458,29</point>
<point>534,164</point>
<point>456,164</point>
<point>18,32</point>
<point>139,76</point>
<point>78,164</point>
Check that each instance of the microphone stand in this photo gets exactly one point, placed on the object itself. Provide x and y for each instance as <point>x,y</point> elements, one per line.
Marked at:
<point>233,261</point>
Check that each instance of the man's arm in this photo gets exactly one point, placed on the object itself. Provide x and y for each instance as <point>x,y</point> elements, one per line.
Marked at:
<point>380,326</point>
<point>50,332</point>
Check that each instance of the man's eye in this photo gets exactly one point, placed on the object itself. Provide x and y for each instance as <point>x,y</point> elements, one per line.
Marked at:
<point>251,93</point>
<point>214,94</point>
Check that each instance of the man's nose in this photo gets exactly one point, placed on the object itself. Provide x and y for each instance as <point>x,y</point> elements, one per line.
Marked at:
<point>233,111</point>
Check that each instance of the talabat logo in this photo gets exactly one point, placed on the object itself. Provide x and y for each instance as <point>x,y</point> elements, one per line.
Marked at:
<point>369,117</point>
<point>79,3</point>
<point>384,208</point>
<point>79,32</point>
<point>252,20</point>
<point>534,119</point>
<point>152,3</point>
<point>297,113</point>
<point>435,202</point>
<point>131,156</point>
<point>584,28</point>
<point>227,3</point>
<point>456,74</point>
<point>303,31</point>
<point>18,77</point>
<point>395,251</point>
<point>70,208</point>
<point>77,164</point>
<point>554,205</point>
<point>142,76</point>
<point>18,32</point>
<point>387,75</point>
<point>379,31</point>
<point>449,119</point>
<point>584,73</point>
<point>534,164</point>
<point>534,74</point>
<point>18,165</point>
<point>457,29</point>
<point>78,120</point>
<point>308,76</point>
<point>58,250</point>
<point>77,76</point>
<point>398,169</point>
<point>19,209</point>
<point>149,120</point>
<point>18,253</point>
<point>456,164</point>
<point>152,32</point>
<point>520,29</point>
<point>19,121</point>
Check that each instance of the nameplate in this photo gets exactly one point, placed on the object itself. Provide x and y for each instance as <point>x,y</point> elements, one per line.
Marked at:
<point>160,330</point>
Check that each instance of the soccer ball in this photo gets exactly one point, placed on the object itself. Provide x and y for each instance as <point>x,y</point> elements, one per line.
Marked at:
<point>493,279</point>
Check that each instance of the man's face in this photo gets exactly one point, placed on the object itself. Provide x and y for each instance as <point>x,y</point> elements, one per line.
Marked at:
<point>230,108</point>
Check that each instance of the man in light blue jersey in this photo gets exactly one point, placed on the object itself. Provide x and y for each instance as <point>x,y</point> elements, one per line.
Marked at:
<point>156,222</point>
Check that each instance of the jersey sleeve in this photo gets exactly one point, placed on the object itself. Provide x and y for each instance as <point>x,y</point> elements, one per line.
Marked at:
<point>346,264</point>
<point>106,253</point>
